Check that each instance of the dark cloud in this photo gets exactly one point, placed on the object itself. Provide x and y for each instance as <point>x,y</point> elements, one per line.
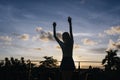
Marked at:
<point>97,50</point>
<point>39,49</point>
<point>118,45</point>
<point>59,35</point>
<point>50,36</point>
<point>46,35</point>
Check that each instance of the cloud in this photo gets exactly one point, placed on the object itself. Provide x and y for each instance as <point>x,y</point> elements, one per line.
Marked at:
<point>113,30</point>
<point>58,47</point>
<point>59,35</point>
<point>5,38</point>
<point>118,39</point>
<point>38,29</point>
<point>83,34</point>
<point>101,35</point>
<point>98,50</point>
<point>117,44</point>
<point>113,45</point>
<point>46,35</point>
<point>76,46</point>
<point>34,38</point>
<point>37,49</point>
<point>87,41</point>
<point>24,37</point>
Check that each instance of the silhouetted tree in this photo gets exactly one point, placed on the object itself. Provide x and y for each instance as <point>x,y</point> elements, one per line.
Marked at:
<point>1,64</point>
<point>49,62</point>
<point>111,61</point>
<point>22,60</point>
<point>12,60</point>
<point>7,62</point>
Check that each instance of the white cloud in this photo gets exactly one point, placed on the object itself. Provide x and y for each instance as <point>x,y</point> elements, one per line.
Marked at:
<point>113,30</point>
<point>5,38</point>
<point>101,35</point>
<point>113,45</point>
<point>38,29</point>
<point>24,37</point>
<point>34,38</point>
<point>87,41</point>
<point>83,34</point>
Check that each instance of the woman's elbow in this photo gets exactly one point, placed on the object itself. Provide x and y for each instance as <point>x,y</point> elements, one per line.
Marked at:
<point>54,36</point>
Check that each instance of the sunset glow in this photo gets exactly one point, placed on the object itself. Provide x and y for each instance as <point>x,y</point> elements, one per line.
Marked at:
<point>26,28</point>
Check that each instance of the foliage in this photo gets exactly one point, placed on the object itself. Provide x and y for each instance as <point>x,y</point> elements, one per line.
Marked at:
<point>49,62</point>
<point>111,60</point>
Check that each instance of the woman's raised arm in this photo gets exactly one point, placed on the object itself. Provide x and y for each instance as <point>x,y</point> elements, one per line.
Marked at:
<point>70,26</point>
<point>54,32</point>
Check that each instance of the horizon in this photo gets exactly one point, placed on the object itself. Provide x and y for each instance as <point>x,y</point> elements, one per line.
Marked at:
<point>82,64</point>
<point>26,28</point>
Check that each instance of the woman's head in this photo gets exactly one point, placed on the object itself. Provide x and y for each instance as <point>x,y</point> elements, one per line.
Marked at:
<point>65,36</point>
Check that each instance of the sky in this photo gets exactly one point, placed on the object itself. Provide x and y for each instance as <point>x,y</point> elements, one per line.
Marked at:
<point>26,28</point>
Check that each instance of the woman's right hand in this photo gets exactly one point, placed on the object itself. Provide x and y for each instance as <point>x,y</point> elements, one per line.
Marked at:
<point>69,19</point>
<point>54,24</point>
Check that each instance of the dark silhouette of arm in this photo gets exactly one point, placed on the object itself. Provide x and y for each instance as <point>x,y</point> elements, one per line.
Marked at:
<point>54,33</point>
<point>70,27</point>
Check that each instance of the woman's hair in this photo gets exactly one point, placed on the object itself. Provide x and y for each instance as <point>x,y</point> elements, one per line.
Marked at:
<point>66,37</point>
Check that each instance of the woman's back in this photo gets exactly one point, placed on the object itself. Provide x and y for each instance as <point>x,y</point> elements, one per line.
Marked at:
<point>67,48</point>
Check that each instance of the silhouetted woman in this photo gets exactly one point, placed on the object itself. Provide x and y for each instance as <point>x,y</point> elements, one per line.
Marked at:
<point>67,65</point>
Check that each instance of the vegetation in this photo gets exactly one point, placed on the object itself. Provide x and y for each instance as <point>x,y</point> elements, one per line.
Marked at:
<point>111,60</point>
<point>14,69</point>
<point>49,62</point>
